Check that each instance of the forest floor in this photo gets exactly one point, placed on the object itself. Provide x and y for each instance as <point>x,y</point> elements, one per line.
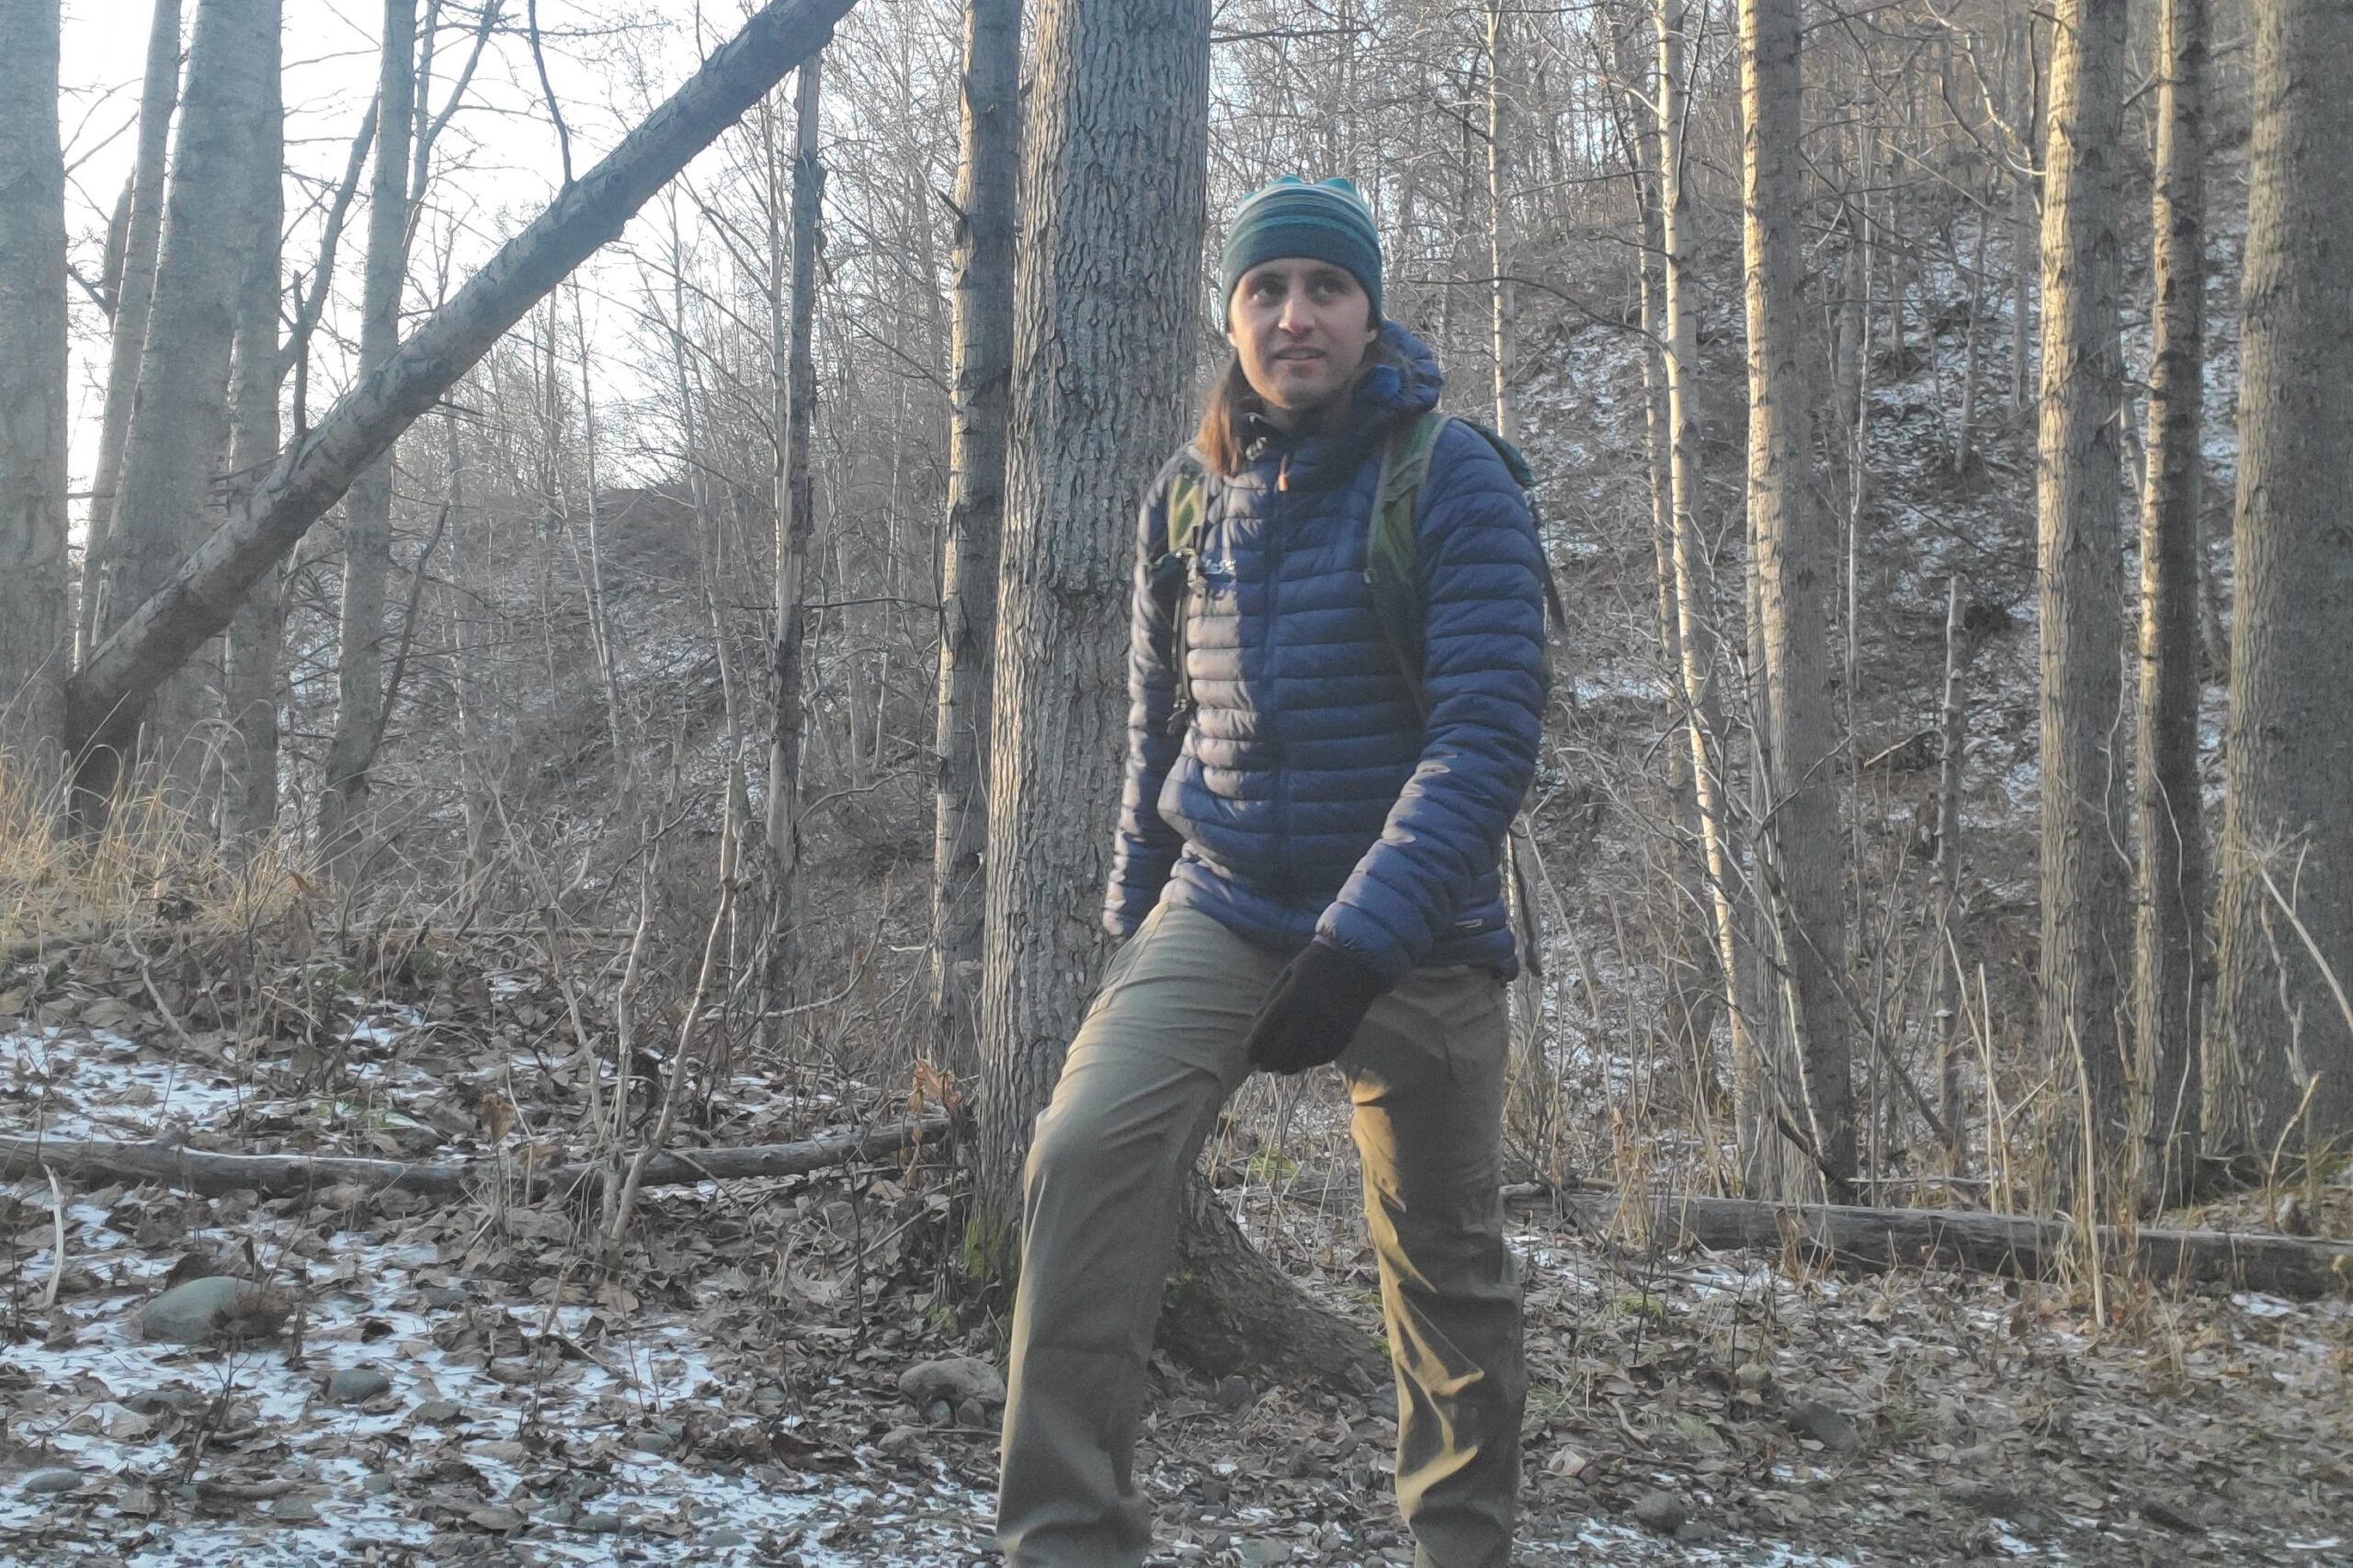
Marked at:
<point>462,1383</point>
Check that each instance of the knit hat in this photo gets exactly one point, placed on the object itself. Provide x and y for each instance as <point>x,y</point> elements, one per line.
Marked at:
<point>1327,220</point>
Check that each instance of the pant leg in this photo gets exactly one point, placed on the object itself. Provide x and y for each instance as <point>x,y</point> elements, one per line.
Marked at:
<point>1427,1076</point>
<point>1159,1051</point>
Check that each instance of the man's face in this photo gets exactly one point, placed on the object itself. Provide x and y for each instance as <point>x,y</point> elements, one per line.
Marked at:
<point>1301,328</point>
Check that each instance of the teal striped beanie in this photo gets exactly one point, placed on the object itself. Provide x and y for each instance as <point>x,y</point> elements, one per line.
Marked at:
<point>1327,220</point>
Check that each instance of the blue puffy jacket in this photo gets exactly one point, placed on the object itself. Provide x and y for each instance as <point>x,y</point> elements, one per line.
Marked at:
<point>1307,798</point>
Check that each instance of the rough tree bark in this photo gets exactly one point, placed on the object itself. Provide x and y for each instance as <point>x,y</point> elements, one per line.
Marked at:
<point>179,416</point>
<point>1804,855</point>
<point>106,698</point>
<point>1112,194</point>
<point>368,512</point>
<point>980,363</point>
<point>1503,298</point>
<point>249,773</point>
<point>2086,925</point>
<point>2170,906</point>
<point>34,631</point>
<point>143,229</point>
<point>2286,920</point>
<point>796,521</point>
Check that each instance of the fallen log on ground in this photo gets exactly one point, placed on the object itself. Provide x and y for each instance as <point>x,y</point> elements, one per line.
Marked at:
<point>2003,1244</point>
<point>285,1175</point>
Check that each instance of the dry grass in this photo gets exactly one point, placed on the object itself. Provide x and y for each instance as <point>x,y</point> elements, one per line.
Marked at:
<point>155,863</point>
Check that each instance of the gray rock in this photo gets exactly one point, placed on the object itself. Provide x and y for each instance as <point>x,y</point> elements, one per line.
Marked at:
<point>898,1440</point>
<point>1256,1553</point>
<point>356,1385</point>
<point>212,1309</point>
<point>154,1402</point>
<point>600,1524</point>
<point>973,1414</point>
<point>955,1379</point>
<point>1826,1425</point>
<point>1660,1511</point>
<point>442,1297</point>
<point>722,1536</point>
<point>653,1442</point>
<point>50,1483</point>
<point>939,1412</point>
<point>1235,1392</point>
<point>377,1484</point>
<point>437,1413</point>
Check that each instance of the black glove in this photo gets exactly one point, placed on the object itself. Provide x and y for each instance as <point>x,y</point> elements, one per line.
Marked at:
<point>1313,1012</point>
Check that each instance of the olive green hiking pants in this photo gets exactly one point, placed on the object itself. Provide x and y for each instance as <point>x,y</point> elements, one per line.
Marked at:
<point>1158,1054</point>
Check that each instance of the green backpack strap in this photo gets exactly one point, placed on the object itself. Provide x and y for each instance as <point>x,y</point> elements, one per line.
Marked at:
<point>1394,548</point>
<point>1173,574</point>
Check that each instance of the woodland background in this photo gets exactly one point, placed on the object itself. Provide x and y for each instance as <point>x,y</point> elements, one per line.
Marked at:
<point>538,631</point>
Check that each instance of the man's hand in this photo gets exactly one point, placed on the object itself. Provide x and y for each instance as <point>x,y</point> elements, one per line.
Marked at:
<point>1312,1011</point>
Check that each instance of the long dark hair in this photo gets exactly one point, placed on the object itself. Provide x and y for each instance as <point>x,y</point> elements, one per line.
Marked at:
<point>1231,401</point>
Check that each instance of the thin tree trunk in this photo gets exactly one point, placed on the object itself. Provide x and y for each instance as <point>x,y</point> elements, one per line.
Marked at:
<point>796,521</point>
<point>106,698</point>
<point>179,420</point>
<point>36,636</point>
<point>1704,655</point>
<point>1945,974</point>
<point>249,793</point>
<point>1807,853</point>
<point>2286,1041</point>
<point>143,230</point>
<point>1505,305</point>
<point>367,514</point>
<point>2169,939</point>
<point>981,358</point>
<point>2086,925</point>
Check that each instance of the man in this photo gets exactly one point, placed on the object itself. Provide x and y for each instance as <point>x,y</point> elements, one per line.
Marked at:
<point>1306,870</point>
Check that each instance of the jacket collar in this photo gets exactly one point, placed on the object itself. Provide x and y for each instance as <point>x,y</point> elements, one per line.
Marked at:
<point>1405,383</point>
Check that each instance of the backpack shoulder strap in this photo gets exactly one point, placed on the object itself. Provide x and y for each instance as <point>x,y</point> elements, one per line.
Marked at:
<point>1171,576</point>
<point>1394,546</point>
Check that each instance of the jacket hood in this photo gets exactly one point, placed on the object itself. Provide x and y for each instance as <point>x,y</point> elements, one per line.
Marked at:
<point>1405,382</point>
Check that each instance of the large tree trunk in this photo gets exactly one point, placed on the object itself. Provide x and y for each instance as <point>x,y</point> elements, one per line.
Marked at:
<point>796,522</point>
<point>980,364</point>
<point>133,296</point>
<point>1112,205</point>
<point>106,699</point>
<point>249,792</point>
<point>1704,654</point>
<point>2086,928</point>
<point>367,513</point>
<point>35,630</point>
<point>2286,922</point>
<point>1804,853</point>
<point>180,418</point>
<point>2169,940</point>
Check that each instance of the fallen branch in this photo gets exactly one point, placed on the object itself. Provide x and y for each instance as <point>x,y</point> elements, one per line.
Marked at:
<point>284,1176</point>
<point>2001,1244</point>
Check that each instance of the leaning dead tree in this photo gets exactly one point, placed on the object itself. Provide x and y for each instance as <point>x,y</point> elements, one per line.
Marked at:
<point>107,699</point>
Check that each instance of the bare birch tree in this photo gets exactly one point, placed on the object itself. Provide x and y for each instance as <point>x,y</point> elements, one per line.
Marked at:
<point>2169,799</point>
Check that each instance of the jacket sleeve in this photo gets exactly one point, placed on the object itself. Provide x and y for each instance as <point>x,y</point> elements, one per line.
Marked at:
<point>1482,674</point>
<point>1144,849</point>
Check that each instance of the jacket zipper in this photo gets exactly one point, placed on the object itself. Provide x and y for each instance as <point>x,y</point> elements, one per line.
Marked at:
<point>1277,522</point>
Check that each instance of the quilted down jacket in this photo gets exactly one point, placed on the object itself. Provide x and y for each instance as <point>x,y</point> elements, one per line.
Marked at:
<point>1307,798</point>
